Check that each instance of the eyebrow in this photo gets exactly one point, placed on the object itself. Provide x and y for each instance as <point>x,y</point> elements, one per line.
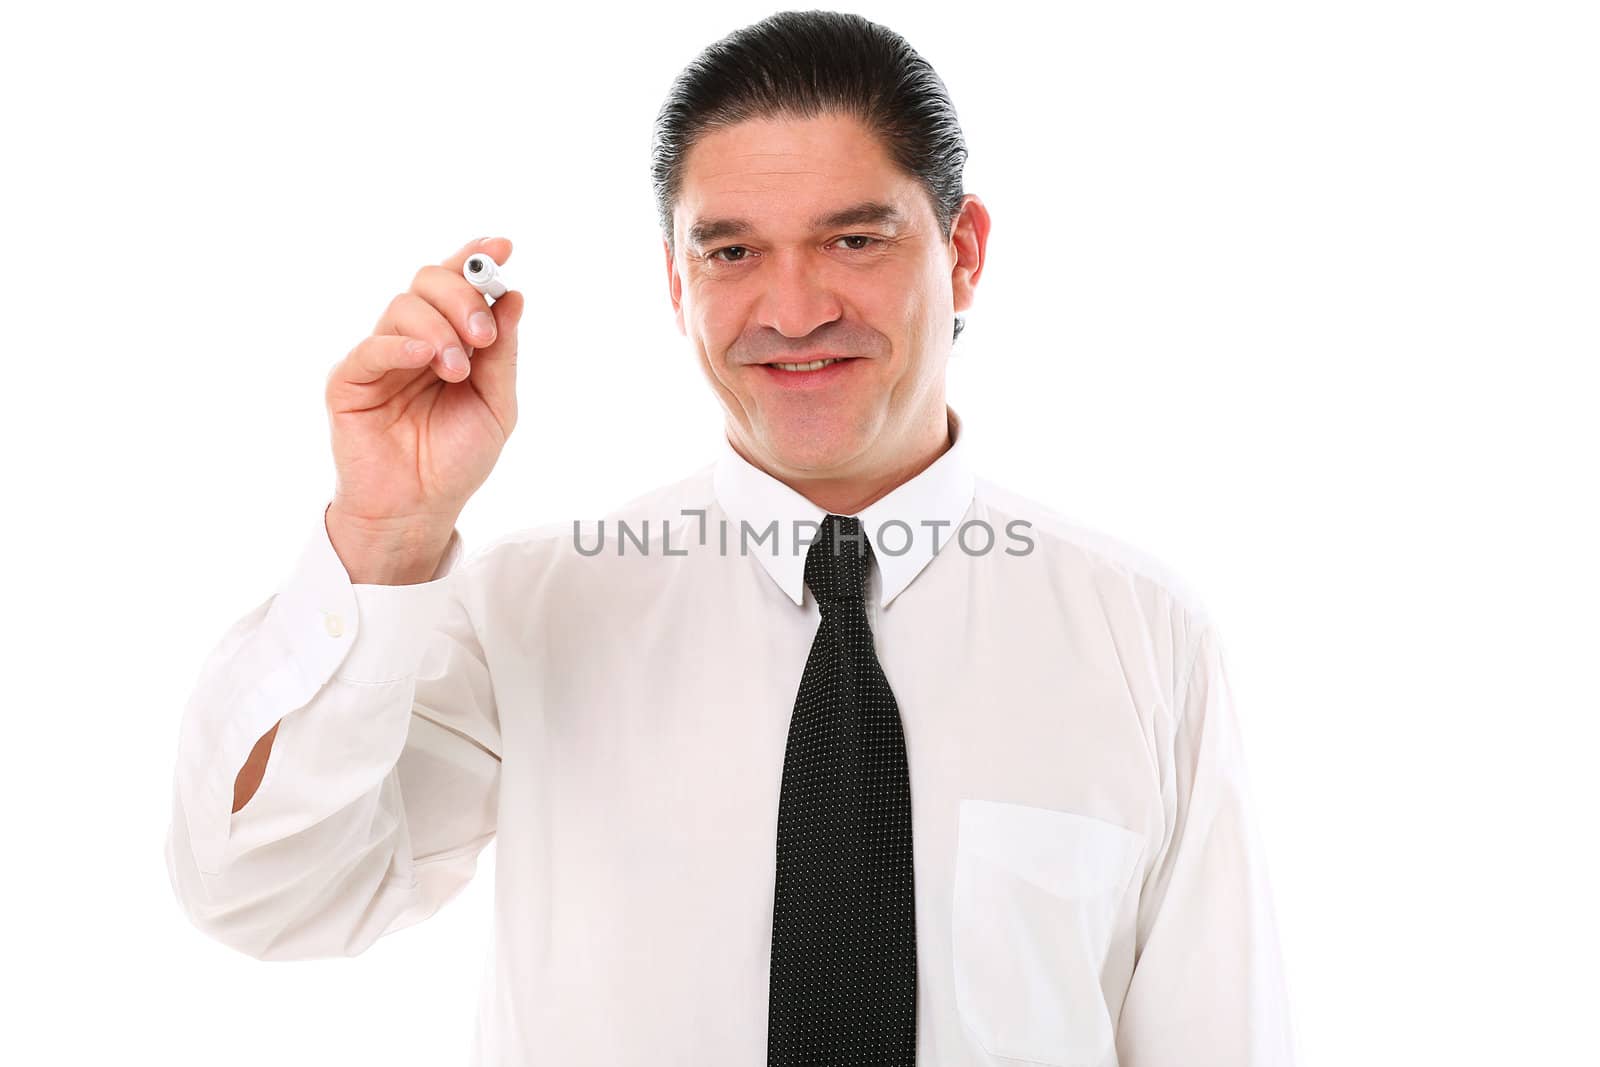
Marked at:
<point>866,213</point>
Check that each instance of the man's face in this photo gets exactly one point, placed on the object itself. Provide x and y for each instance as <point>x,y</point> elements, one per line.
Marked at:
<point>760,274</point>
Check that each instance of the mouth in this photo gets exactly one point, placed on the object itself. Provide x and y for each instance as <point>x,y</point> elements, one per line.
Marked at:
<point>809,366</point>
<point>828,372</point>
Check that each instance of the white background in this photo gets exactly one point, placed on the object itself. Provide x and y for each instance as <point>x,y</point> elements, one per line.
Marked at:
<point>1299,299</point>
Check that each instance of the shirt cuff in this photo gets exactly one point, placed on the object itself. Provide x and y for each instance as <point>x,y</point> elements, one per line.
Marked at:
<point>364,633</point>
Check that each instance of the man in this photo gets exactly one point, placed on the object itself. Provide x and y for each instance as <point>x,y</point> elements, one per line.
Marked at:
<point>832,752</point>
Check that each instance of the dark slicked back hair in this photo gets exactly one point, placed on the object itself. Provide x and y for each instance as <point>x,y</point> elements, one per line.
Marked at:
<point>803,65</point>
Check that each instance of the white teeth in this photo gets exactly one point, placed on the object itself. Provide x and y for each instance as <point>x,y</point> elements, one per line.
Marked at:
<point>815,365</point>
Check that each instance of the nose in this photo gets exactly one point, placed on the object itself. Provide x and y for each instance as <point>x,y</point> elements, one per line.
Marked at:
<point>797,297</point>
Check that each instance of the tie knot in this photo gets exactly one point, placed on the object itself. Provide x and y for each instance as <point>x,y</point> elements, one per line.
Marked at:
<point>838,560</point>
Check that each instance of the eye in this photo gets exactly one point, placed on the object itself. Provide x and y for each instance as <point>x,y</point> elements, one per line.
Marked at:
<point>717,254</point>
<point>861,237</point>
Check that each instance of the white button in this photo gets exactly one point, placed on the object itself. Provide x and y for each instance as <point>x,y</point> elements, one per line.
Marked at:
<point>333,623</point>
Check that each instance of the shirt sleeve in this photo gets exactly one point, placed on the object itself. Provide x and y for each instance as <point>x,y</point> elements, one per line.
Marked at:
<point>380,789</point>
<point>1208,985</point>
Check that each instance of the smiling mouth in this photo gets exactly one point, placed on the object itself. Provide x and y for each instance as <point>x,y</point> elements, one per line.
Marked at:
<point>801,368</point>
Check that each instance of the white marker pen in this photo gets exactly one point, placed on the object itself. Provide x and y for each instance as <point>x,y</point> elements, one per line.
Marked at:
<point>485,275</point>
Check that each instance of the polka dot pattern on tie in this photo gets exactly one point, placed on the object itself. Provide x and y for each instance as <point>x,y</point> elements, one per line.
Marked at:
<point>844,961</point>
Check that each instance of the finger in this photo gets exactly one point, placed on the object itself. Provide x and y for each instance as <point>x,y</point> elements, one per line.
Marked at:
<point>494,368</point>
<point>466,309</point>
<point>410,315</point>
<point>375,357</point>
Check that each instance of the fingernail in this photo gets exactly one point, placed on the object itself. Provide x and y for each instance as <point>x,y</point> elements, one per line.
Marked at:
<point>417,348</point>
<point>482,325</point>
<point>455,360</point>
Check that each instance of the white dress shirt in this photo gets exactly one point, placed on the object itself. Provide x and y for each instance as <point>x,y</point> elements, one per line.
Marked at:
<point>1090,889</point>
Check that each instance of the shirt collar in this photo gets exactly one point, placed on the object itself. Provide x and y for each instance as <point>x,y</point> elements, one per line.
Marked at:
<point>939,495</point>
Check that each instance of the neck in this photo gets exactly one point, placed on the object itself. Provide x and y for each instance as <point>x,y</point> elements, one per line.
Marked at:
<point>847,494</point>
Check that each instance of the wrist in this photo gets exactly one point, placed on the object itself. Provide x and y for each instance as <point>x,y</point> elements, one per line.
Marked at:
<point>388,551</point>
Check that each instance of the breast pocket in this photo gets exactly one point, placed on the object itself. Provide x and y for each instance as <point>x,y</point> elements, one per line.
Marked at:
<point>1036,896</point>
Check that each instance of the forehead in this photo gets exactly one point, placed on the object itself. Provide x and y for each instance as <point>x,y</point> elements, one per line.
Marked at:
<point>787,174</point>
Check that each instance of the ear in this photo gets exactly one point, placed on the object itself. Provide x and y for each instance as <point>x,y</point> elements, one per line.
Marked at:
<point>969,241</point>
<point>674,286</point>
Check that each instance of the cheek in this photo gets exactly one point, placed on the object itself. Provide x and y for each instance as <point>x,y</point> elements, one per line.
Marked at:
<point>715,312</point>
<point>888,300</point>
<point>911,305</point>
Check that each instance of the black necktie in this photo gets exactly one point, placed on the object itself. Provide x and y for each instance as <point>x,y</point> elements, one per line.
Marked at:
<point>844,947</point>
